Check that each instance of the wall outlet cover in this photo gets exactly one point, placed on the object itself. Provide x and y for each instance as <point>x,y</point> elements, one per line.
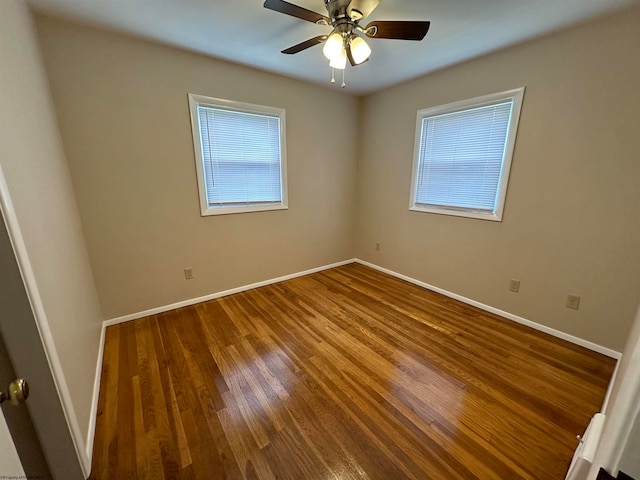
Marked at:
<point>573,301</point>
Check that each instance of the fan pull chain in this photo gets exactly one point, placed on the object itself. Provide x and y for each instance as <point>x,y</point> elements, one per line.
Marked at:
<point>333,75</point>
<point>343,84</point>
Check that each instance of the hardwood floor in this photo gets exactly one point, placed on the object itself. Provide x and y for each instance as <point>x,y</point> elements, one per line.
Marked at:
<point>344,374</point>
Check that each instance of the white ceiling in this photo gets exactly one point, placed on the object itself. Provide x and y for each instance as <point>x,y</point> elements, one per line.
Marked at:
<point>244,32</point>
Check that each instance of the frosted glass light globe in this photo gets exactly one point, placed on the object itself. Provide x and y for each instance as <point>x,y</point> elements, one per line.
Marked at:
<point>333,46</point>
<point>360,51</point>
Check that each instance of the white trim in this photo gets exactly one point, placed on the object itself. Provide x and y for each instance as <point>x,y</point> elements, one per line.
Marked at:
<point>93,413</point>
<point>529,323</point>
<point>583,455</point>
<point>607,397</point>
<point>166,308</point>
<point>205,209</point>
<point>193,301</point>
<point>244,209</point>
<point>543,328</point>
<point>153,311</point>
<point>516,95</point>
<point>42,323</point>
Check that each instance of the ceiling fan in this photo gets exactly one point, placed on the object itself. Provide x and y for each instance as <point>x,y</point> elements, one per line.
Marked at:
<point>344,42</point>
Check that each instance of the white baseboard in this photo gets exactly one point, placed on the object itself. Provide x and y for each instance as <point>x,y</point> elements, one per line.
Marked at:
<point>193,301</point>
<point>153,311</point>
<point>114,321</point>
<point>96,395</point>
<point>551,331</point>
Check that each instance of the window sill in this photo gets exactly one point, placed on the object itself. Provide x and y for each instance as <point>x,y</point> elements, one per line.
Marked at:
<point>243,209</point>
<point>494,217</point>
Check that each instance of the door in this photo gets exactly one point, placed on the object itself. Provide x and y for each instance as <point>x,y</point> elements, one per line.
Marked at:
<point>9,460</point>
<point>38,428</point>
<point>20,426</point>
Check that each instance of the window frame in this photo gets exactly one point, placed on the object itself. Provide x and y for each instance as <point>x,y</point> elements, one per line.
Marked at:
<point>231,105</point>
<point>515,95</point>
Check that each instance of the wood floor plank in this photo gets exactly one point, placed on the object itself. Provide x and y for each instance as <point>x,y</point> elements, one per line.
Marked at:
<point>248,456</point>
<point>109,418</point>
<point>348,373</point>
<point>162,426</point>
<point>408,413</point>
<point>145,405</point>
<point>315,419</point>
<point>199,421</point>
<point>141,439</point>
<point>178,428</point>
<point>127,363</point>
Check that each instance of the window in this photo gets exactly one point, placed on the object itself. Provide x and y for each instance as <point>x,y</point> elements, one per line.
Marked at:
<point>463,154</point>
<point>240,156</point>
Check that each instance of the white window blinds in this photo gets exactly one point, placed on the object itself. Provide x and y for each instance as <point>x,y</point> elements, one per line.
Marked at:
<point>461,157</point>
<point>241,156</point>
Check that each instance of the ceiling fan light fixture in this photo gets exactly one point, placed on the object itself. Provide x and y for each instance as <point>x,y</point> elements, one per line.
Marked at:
<point>339,61</point>
<point>344,42</point>
<point>333,46</point>
<point>360,51</point>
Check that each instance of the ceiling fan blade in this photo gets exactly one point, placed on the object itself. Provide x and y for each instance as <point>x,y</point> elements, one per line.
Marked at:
<point>296,11</point>
<point>365,7</point>
<point>304,45</point>
<point>400,30</point>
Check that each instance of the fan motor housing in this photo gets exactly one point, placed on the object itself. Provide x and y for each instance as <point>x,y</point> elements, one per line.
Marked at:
<point>338,10</point>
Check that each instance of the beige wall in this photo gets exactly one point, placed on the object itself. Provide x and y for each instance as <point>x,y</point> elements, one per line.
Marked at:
<point>123,113</point>
<point>40,191</point>
<point>570,224</point>
<point>572,215</point>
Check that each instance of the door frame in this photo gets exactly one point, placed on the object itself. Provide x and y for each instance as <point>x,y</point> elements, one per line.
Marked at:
<point>60,397</point>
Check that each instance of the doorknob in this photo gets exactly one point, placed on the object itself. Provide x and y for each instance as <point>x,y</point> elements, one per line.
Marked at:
<point>18,392</point>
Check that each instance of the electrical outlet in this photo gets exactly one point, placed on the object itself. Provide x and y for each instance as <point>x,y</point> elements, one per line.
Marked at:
<point>188,273</point>
<point>573,301</point>
<point>377,246</point>
<point>514,286</point>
